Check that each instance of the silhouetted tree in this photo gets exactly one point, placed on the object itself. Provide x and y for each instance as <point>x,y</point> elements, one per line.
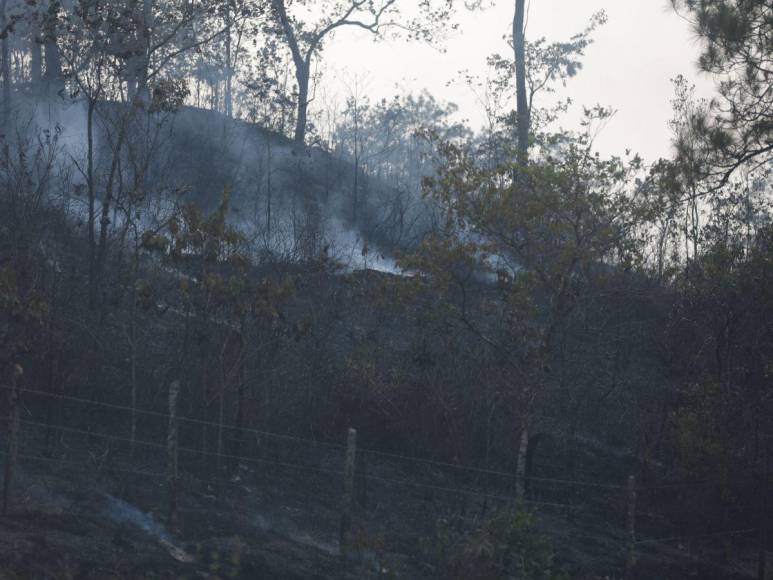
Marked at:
<point>737,129</point>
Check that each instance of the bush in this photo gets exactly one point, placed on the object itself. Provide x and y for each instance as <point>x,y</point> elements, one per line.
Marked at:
<point>505,546</point>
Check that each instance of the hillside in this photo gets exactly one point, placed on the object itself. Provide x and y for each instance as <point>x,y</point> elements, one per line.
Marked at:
<point>263,316</point>
<point>296,200</point>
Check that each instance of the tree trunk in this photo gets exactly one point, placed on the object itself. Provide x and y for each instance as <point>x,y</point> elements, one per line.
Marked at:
<point>104,221</point>
<point>92,203</point>
<point>6,66</point>
<point>131,89</point>
<point>355,192</point>
<point>36,63</point>
<point>269,192</point>
<point>302,69</point>
<point>53,73</point>
<point>228,70</point>
<point>302,75</point>
<point>142,94</point>
<point>139,86</point>
<point>133,350</point>
<point>523,113</point>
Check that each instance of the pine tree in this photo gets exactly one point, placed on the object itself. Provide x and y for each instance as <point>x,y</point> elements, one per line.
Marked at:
<point>737,40</point>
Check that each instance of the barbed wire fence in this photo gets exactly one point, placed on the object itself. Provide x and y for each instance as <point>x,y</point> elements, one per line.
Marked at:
<point>403,496</point>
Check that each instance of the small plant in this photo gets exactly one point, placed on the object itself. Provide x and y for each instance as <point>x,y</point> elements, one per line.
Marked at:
<point>220,563</point>
<point>505,546</point>
<point>369,550</point>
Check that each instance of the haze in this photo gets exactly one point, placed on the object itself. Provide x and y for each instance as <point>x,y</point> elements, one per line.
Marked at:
<point>629,67</point>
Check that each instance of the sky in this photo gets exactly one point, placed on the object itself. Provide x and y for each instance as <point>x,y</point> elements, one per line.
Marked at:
<point>628,68</point>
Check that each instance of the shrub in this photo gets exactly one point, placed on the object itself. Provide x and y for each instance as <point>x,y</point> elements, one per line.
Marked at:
<point>505,546</point>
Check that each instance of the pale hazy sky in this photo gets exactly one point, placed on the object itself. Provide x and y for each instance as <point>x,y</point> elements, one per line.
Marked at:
<point>629,67</point>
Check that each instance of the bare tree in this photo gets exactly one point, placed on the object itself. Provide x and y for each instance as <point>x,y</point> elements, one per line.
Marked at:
<point>374,17</point>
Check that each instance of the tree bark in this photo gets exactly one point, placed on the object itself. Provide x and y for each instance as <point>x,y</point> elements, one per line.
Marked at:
<point>523,114</point>
<point>138,84</point>
<point>92,203</point>
<point>269,192</point>
<point>356,188</point>
<point>302,75</point>
<point>302,70</point>
<point>228,69</point>
<point>6,66</point>
<point>53,72</point>
<point>104,220</point>
<point>133,348</point>
<point>36,63</point>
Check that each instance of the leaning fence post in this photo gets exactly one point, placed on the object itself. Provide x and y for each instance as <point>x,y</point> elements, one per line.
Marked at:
<point>13,433</point>
<point>171,441</point>
<point>346,508</point>
<point>630,522</point>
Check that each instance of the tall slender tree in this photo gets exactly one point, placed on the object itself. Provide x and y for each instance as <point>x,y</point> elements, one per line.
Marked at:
<point>5,54</point>
<point>522,104</point>
<point>53,59</point>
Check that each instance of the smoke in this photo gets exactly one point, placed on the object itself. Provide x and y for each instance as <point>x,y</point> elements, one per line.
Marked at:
<point>349,247</point>
<point>287,203</point>
<point>495,262</point>
<point>285,527</point>
<point>124,512</point>
<point>66,119</point>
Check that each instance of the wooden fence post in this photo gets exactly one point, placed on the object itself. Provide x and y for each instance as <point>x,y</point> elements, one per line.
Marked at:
<point>762,557</point>
<point>171,441</point>
<point>630,522</point>
<point>520,468</point>
<point>13,433</point>
<point>348,500</point>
